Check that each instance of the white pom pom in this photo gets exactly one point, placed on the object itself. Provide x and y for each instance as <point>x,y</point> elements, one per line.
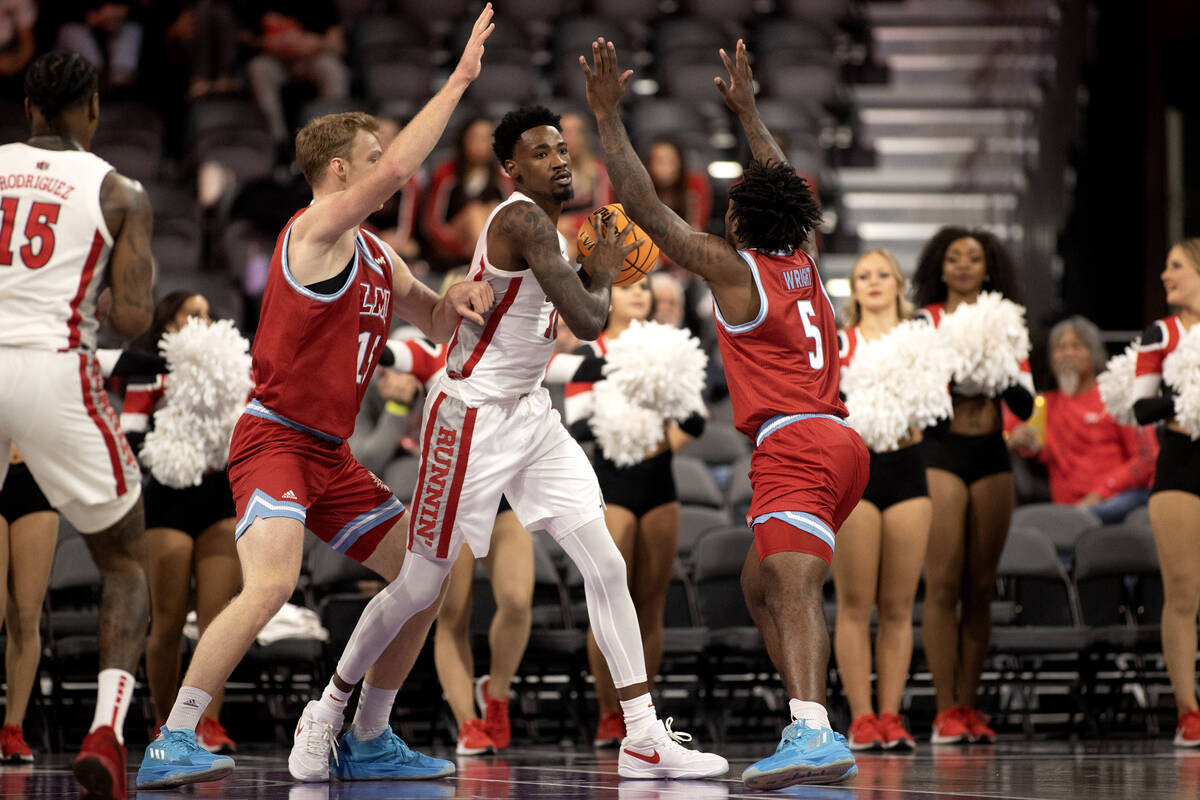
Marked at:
<point>989,340</point>
<point>207,383</point>
<point>1116,384</point>
<point>896,383</point>
<point>1181,371</point>
<point>658,367</point>
<point>625,431</point>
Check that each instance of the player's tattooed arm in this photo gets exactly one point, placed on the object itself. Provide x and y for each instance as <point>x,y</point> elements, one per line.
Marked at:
<point>710,257</point>
<point>529,233</point>
<point>130,219</point>
<point>739,97</point>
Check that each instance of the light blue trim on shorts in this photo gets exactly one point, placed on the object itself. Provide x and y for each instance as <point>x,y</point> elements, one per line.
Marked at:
<point>802,521</point>
<point>263,505</point>
<point>780,420</point>
<point>257,409</point>
<point>353,530</point>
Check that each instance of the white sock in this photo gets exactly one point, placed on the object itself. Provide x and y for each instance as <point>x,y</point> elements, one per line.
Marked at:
<point>113,694</point>
<point>640,716</point>
<point>814,715</point>
<point>332,705</point>
<point>189,706</point>
<point>373,712</point>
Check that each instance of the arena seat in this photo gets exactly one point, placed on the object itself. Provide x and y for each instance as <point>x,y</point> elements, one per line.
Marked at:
<point>135,153</point>
<point>1063,524</point>
<point>404,75</point>
<point>694,483</point>
<point>225,299</point>
<point>401,477</point>
<point>509,80</point>
<point>678,35</point>
<point>176,244</point>
<point>1140,517</point>
<point>320,106</point>
<point>249,153</point>
<point>719,444</point>
<point>790,34</point>
<point>695,522</point>
<point>813,80</point>
<point>721,11</point>
<point>740,491</point>
<point>657,116</point>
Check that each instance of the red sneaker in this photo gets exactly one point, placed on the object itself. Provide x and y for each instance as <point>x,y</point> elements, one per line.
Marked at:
<point>211,735</point>
<point>864,732</point>
<point>977,727</point>
<point>1187,734</point>
<point>893,735</point>
<point>610,730</point>
<point>950,726</point>
<point>12,744</point>
<point>100,765</point>
<point>473,739</point>
<point>495,714</point>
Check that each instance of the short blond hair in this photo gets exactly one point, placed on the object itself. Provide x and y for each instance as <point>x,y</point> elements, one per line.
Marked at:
<point>328,137</point>
<point>1191,247</point>
<point>904,309</point>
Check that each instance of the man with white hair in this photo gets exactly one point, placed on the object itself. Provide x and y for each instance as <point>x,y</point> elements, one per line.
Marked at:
<point>1093,462</point>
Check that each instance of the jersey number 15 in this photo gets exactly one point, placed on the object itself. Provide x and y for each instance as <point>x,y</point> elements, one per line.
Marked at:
<point>38,229</point>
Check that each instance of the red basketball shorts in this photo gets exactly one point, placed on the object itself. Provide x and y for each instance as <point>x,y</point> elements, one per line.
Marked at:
<point>807,477</point>
<point>278,471</point>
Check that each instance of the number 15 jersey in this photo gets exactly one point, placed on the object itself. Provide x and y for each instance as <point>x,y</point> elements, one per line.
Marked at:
<point>54,247</point>
<point>784,361</point>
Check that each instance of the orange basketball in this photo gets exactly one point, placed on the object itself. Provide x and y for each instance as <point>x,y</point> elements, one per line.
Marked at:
<point>639,262</point>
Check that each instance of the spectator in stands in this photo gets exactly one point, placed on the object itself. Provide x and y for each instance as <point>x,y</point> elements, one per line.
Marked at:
<point>28,533</point>
<point>641,504</point>
<point>189,533</point>
<point>881,545</point>
<point>1092,461</point>
<point>684,191</point>
<point>588,176</point>
<point>396,221</point>
<point>295,43</point>
<point>1175,496</point>
<point>971,485</point>
<point>105,33</point>
<point>462,193</point>
<point>207,32</point>
<point>668,299</point>
<point>17,45</point>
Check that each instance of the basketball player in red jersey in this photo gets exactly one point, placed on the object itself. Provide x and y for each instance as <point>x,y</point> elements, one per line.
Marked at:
<point>69,224</point>
<point>326,313</point>
<point>778,340</point>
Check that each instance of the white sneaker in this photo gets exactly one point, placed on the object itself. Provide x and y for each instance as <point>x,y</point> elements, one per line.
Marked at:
<point>660,755</point>
<point>314,740</point>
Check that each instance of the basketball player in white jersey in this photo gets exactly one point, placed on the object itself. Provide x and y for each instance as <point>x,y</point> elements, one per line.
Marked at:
<point>489,430</point>
<point>72,228</point>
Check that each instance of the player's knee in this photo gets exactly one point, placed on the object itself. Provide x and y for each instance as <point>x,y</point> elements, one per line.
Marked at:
<point>608,569</point>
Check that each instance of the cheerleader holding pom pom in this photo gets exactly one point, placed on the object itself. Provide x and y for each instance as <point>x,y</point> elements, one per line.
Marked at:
<point>1166,387</point>
<point>965,283</point>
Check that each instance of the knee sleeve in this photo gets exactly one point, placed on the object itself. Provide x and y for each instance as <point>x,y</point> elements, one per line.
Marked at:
<point>415,589</point>
<point>610,608</point>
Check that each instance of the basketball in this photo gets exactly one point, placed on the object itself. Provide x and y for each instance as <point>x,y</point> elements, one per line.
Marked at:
<point>639,262</point>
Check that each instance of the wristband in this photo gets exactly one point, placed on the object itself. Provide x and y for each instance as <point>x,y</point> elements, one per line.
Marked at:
<point>398,409</point>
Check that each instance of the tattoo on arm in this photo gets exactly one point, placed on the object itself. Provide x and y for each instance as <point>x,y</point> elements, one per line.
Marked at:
<point>708,256</point>
<point>131,264</point>
<point>583,308</point>
<point>762,144</point>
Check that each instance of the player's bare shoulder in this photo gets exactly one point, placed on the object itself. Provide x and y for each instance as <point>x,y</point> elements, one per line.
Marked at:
<point>517,228</point>
<point>123,198</point>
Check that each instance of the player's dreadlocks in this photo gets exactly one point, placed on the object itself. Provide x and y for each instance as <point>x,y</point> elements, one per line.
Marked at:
<point>773,208</point>
<point>928,286</point>
<point>59,80</point>
<point>514,123</point>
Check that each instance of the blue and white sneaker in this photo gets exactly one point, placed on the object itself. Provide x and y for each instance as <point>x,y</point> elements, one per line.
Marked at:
<point>804,755</point>
<point>174,759</point>
<point>385,758</point>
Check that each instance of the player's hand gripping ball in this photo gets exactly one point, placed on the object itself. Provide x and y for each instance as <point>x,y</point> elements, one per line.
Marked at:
<point>639,262</point>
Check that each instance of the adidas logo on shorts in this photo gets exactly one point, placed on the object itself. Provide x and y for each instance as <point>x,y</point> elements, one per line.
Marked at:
<point>289,495</point>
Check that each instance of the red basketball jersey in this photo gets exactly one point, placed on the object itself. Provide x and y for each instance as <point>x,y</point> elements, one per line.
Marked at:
<point>784,361</point>
<point>314,354</point>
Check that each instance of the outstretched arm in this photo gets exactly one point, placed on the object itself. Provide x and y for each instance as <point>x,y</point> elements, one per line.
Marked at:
<point>710,257</point>
<point>739,97</point>
<point>435,316</point>
<point>332,216</point>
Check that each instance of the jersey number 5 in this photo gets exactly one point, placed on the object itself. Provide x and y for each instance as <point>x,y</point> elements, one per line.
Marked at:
<point>816,358</point>
<point>38,226</point>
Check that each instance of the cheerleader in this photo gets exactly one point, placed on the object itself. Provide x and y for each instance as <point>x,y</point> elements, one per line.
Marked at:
<point>189,533</point>
<point>1175,495</point>
<point>971,486</point>
<point>881,545</point>
<point>642,507</point>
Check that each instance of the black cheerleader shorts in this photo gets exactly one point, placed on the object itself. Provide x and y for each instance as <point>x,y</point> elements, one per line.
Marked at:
<point>1178,465</point>
<point>193,509</point>
<point>21,495</point>
<point>896,476</point>
<point>971,458</point>
<point>640,488</point>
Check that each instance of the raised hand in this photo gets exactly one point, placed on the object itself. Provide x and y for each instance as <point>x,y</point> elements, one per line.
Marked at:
<point>739,92</point>
<point>605,81</point>
<point>471,61</point>
<point>608,255</point>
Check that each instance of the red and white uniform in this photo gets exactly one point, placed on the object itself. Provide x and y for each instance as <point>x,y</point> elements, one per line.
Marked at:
<point>1158,341</point>
<point>489,428</point>
<point>54,254</point>
<point>809,467</point>
<point>313,357</point>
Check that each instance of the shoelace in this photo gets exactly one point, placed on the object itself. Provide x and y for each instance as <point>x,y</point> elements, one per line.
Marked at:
<point>679,737</point>
<point>320,736</point>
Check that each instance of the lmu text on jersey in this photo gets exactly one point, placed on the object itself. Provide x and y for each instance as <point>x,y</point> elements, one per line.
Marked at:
<point>375,302</point>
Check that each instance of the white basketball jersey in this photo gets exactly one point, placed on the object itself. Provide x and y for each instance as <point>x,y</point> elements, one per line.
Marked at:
<point>54,247</point>
<point>505,357</point>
